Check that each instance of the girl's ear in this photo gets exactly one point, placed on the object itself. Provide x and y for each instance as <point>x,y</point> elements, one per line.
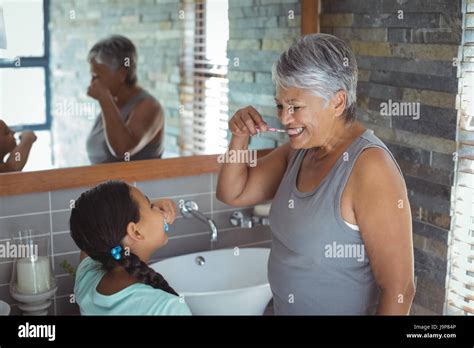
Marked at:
<point>133,232</point>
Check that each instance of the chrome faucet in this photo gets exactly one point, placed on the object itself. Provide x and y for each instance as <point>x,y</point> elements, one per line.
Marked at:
<point>190,209</point>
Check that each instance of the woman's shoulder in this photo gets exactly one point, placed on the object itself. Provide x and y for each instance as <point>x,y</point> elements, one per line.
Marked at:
<point>376,167</point>
<point>369,137</point>
<point>374,154</point>
<point>148,100</point>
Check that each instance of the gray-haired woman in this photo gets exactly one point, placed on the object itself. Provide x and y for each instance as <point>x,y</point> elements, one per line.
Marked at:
<point>130,126</point>
<point>340,216</point>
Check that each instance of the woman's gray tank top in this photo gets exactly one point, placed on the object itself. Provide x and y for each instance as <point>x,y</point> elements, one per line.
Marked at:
<point>96,144</point>
<point>318,264</point>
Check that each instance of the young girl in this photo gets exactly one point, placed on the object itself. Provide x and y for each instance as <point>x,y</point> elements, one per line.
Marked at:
<point>117,229</point>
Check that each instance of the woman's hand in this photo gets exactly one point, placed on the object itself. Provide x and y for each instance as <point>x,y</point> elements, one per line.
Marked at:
<point>243,123</point>
<point>98,90</point>
<point>168,208</point>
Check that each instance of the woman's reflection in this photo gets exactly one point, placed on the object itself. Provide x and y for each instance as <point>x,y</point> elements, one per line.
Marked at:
<point>131,124</point>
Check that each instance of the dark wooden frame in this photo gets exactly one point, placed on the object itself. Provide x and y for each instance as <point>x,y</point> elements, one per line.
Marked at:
<point>310,16</point>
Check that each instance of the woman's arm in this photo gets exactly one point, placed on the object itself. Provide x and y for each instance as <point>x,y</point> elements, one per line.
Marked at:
<point>240,185</point>
<point>382,211</point>
<point>145,121</point>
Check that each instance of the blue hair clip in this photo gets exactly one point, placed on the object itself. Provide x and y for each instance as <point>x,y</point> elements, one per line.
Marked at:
<point>116,252</point>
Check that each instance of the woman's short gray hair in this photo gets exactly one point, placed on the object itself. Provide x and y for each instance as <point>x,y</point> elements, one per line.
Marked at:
<point>322,64</point>
<point>116,51</point>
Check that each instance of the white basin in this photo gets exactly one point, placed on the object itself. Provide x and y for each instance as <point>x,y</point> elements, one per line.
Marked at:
<point>230,282</point>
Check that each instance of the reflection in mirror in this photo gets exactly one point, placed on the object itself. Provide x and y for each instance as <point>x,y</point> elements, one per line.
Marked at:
<point>131,122</point>
<point>68,71</point>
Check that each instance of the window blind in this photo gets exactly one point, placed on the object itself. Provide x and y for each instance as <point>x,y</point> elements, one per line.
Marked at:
<point>204,87</point>
<point>460,289</point>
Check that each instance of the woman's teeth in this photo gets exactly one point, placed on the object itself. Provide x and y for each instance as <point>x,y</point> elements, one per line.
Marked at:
<point>295,131</point>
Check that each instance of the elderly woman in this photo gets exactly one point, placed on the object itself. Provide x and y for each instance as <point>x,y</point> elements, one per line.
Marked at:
<point>340,216</point>
<point>130,126</point>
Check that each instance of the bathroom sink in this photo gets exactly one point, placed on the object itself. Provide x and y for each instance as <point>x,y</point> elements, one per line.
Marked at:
<point>220,282</point>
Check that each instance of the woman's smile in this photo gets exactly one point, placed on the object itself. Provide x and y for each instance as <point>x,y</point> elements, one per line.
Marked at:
<point>294,133</point>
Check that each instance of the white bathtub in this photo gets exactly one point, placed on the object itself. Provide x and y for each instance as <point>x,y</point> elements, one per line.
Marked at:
<point>230,282</point>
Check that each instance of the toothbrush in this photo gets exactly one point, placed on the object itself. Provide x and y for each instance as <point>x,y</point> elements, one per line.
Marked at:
<point>272,130</point>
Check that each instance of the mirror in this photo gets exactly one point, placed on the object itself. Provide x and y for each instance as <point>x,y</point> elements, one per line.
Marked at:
<point>67,87</point>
